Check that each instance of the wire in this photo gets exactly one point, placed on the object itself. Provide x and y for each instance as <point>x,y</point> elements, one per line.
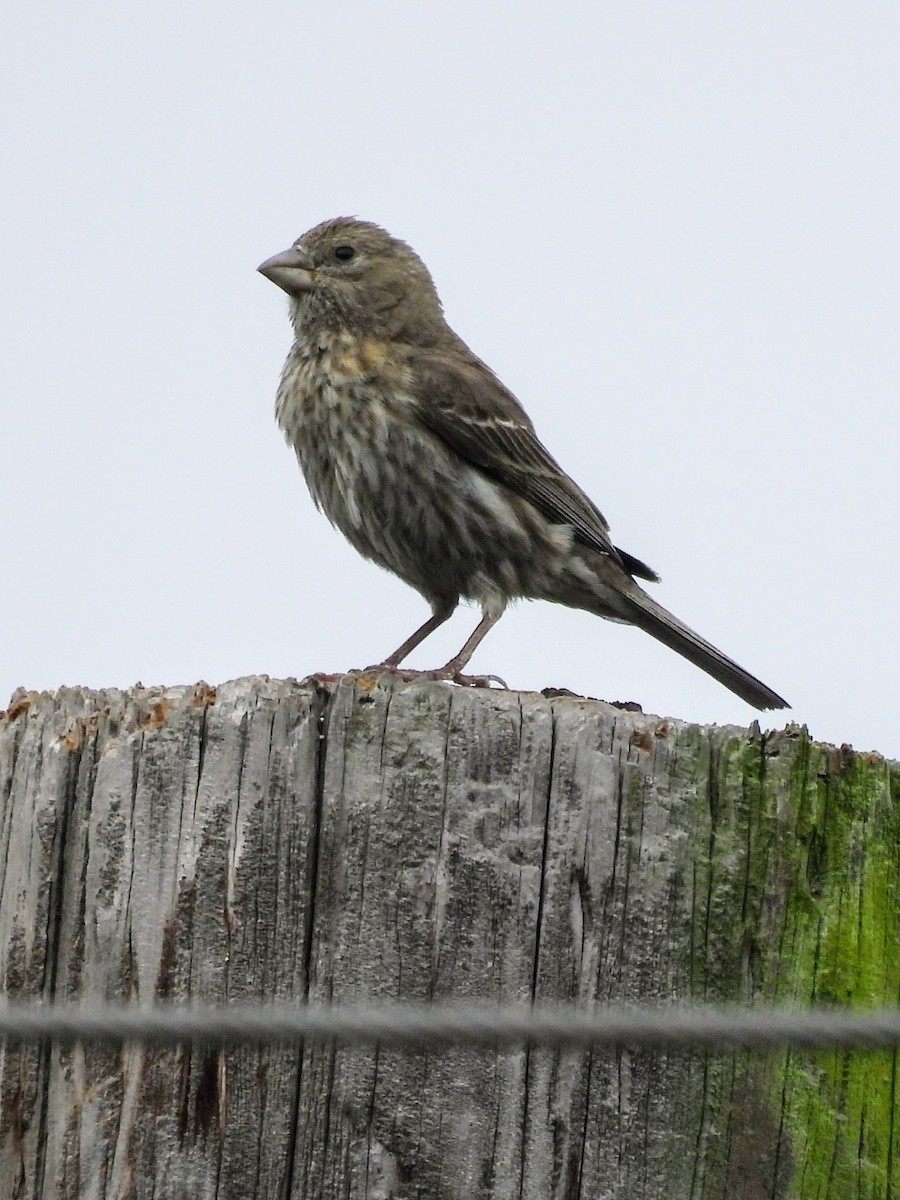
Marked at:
<point>410,1027</point>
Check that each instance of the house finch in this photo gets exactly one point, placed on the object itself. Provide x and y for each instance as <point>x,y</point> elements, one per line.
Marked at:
<point>430,467</point>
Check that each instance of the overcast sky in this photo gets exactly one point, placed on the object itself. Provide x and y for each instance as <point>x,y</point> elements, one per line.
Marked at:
<point>671,229</point>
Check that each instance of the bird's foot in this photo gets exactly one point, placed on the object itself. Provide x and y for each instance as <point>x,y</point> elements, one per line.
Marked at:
<point>472,680</point>
<point>449,674</point>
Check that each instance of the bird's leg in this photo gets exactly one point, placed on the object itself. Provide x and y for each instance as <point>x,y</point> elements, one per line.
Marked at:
<point>452,670</point>
<point>440,613</point>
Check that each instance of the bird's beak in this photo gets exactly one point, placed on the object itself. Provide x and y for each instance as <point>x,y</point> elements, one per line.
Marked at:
<point>292,270</point>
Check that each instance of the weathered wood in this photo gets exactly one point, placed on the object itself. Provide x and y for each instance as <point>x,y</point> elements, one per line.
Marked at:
<point>374,841</point>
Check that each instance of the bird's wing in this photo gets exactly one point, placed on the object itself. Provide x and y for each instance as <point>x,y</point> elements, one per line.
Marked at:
<point>464,403</point>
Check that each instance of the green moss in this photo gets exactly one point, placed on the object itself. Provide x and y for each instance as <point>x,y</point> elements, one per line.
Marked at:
<point>840,946</point>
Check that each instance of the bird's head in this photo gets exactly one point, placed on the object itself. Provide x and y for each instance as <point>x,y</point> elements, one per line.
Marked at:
<point>350,274</point>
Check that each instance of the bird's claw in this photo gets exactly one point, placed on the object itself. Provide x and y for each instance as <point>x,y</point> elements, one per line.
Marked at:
<point>446,674</point>
<point>478,680</point>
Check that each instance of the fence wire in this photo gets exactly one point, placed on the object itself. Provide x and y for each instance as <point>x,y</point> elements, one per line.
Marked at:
<point>439,1026</point>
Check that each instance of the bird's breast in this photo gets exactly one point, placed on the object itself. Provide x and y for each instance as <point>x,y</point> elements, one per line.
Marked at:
<point>337,405</point>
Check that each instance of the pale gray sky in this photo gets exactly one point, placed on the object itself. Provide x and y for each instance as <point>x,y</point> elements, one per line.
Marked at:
<point>671,229</point>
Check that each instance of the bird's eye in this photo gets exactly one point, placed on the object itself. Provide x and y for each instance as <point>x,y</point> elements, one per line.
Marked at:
<point>344,252</point>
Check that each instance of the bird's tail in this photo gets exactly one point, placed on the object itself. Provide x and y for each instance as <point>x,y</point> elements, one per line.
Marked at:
<point>661,624</point>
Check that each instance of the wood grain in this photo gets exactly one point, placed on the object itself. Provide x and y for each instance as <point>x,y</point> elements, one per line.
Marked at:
<point>371,840</point>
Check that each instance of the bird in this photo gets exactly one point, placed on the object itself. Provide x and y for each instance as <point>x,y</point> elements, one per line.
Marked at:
<point>416,451</point>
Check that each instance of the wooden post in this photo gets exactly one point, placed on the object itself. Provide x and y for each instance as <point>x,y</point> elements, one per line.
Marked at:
<point>373,841</point>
